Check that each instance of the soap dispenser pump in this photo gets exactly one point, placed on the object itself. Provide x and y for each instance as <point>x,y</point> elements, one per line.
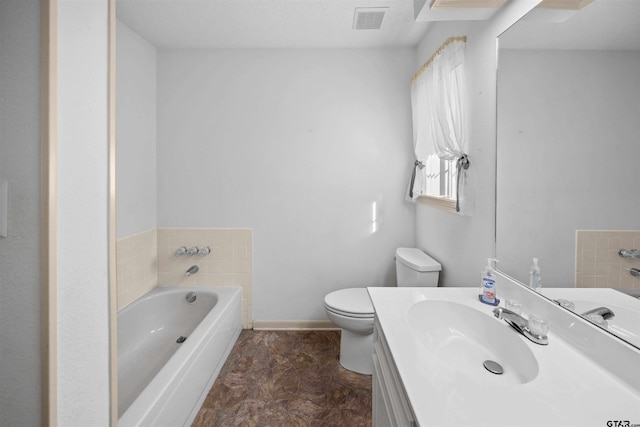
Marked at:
<point>535,280</point>
<point>488,285</point>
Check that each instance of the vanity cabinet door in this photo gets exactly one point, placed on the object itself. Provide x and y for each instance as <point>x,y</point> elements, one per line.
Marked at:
<point>390,404</point>
<point>381,411</point>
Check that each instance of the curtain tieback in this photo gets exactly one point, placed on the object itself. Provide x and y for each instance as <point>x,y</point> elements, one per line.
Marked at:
<point>463,164</point>
<point>416,165</point>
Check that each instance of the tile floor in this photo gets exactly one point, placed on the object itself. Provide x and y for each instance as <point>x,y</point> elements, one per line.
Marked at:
<point>287,378</point>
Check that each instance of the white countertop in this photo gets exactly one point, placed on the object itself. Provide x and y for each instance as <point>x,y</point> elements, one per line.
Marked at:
<point>569,389</point>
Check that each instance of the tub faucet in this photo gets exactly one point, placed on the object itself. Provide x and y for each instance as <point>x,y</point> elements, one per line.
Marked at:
<point>520,324</point>
<point>192,270</point>
<point>605,312</point>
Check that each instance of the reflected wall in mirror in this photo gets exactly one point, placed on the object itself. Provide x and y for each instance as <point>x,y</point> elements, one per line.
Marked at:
<point>568,147</point>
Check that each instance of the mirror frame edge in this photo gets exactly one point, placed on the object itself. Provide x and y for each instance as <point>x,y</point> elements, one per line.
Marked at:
<point>48,210</point>
<point>113,291</point>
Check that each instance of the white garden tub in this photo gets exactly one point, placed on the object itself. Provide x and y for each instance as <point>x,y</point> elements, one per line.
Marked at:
<point>162,382</point>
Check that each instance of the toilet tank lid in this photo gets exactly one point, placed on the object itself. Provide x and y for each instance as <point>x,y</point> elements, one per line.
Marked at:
<point>416,259</point>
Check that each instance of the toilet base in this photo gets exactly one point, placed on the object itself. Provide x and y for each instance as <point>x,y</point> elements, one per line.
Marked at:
<point>356,352</point>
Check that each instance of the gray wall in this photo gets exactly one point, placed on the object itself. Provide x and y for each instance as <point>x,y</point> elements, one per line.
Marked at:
<point>309,148</point>
<point>20,379</point>
<point>568,154</point>
<point>135,132</point>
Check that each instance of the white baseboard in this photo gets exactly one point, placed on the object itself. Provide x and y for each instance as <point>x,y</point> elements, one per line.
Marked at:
<point>293,325</point>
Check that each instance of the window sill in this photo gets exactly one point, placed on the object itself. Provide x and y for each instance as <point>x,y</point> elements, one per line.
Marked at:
<point>443,203</point>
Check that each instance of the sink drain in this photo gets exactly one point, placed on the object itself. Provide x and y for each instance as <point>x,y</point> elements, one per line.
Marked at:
<point>493,367</point>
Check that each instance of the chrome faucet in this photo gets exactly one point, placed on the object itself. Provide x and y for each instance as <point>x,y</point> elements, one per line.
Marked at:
<point>520,324</point>
<point>605,312</point>
<point>192,270</point>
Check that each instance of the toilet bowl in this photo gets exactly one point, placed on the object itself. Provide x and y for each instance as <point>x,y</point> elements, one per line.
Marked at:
<point>351,309</point>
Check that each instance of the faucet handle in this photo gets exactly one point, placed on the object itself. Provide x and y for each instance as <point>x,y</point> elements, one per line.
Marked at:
<point>204,251</point>
<point>181,250</point>
<point>513,305</point>
<point>538,326</point>
<point>192,251</point>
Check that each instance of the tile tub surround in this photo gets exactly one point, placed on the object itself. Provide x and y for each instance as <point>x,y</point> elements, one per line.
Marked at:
<point>228,264</point>
<point>598,264</point>
<point>276,378</point>
<point>136,266</point>
<point>145,260</point>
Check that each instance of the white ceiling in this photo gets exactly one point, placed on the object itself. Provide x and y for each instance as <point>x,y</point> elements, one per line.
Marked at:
<point>602,25</point>
<point>268,23</point>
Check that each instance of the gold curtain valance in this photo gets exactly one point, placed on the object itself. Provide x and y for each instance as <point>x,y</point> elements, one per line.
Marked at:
<point>461,39</point>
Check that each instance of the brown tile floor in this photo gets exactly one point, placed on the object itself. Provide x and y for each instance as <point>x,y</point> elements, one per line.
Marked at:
<point>287,378</point>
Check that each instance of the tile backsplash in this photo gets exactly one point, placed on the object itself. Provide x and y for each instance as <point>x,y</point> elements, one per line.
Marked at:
<point>598,264</point>
<point>136,266</point>
<point>147,260</point>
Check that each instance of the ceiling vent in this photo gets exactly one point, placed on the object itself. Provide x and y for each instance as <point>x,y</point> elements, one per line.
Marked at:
<point>368,18</point>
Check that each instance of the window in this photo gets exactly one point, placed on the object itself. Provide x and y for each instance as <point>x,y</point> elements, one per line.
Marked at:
<point>441,183</point>
<point>437,101</point>
<point>441,177</point>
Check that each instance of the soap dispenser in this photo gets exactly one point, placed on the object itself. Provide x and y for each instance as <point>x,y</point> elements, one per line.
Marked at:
<point>488,285</point>
<point>535,281</point>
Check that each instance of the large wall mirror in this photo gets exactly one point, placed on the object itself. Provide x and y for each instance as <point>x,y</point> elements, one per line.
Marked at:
<point>569,149</point>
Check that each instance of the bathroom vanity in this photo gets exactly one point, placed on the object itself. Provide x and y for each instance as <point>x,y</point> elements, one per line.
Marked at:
<point>431,346</point>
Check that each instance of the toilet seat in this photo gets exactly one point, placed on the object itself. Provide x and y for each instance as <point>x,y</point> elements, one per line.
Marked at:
<point>348,314</point>
<point>351,302</point>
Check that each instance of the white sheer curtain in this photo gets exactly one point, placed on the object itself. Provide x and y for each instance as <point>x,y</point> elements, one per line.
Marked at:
<point>418,185</point>
<point>438,103</point>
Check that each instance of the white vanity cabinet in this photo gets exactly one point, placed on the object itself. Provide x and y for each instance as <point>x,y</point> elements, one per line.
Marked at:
<point>428,371</point>
<point>390,404</point>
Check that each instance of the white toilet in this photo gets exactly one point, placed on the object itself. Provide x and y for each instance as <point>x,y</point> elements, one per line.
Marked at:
<point>351,310</point>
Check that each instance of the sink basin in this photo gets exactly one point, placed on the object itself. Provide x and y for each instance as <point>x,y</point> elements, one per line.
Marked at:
<point>461,338</point>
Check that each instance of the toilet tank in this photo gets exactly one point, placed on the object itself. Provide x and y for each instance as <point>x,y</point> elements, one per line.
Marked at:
<point>415,268</point>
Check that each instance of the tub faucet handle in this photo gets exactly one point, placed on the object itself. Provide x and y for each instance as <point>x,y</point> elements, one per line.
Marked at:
<point>192,251</point>
<point>181,250</point>
<point>204,251</point>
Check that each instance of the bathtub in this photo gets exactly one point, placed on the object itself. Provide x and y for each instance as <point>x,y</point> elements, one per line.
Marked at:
<point>162,382</point>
